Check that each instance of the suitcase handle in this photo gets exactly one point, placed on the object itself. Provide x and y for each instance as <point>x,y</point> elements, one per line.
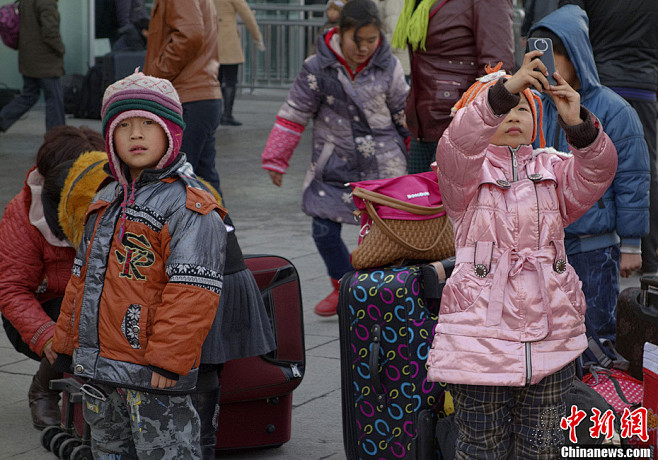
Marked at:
<point>373,363</point>
<point>649,297</point>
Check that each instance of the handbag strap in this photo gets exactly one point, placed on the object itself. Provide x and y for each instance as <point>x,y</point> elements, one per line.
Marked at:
<point>379,198</point>
<point>372,212</point>
<point>620,393</point>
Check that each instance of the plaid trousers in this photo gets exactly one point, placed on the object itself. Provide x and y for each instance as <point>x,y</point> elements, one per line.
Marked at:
<point>494,421</point>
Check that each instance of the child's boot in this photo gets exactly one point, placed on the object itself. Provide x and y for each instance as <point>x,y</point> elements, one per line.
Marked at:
<point>328,306</point>
<point>44,402</point>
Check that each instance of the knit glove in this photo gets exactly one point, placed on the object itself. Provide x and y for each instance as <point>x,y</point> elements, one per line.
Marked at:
<point>281,144</point>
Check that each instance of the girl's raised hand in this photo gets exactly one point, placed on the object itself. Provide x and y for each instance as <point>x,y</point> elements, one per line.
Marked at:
<point>567,101</point>
<point>531,74</point>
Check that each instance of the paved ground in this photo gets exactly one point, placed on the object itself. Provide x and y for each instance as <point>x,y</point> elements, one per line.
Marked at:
<point>268,220</point>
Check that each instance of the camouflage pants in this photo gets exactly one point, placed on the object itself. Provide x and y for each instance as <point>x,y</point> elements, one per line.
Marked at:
<point>128,424</point>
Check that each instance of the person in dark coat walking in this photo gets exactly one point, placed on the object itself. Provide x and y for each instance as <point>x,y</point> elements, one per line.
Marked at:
<point>40,62</point>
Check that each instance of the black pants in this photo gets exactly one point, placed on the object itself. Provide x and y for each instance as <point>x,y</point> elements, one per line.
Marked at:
<point>228,74</point>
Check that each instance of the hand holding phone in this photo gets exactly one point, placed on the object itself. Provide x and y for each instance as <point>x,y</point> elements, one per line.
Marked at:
<point>545,45</point>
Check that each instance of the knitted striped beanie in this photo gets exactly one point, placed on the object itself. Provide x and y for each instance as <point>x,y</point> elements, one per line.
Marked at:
<point>493,75</point>
<point>139,95</point>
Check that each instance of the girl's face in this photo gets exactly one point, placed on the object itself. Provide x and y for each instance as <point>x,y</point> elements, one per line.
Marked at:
<point>357,48</point>
<point>517,128</point>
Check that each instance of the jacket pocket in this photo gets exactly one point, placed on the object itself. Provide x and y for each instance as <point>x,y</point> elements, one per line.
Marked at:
<point>133,326</point>
<point>447,91</point>
<point>463,290</point>
<point>95,406</point>
<point>569,284</point>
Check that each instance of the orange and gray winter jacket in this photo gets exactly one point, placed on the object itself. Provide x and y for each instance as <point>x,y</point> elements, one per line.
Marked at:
<point>145,284</point>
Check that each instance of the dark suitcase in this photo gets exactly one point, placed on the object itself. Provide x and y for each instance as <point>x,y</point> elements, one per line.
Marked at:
<point>637,322</point>
<point>256,392</point>
<point>8,94</point>
<point>120,64</point>
<point>72,85</point>
<point>387,319</point>
<point>89,104</point>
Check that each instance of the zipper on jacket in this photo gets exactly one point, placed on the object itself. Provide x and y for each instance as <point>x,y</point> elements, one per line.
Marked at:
<point>515,164</point>
<point>538,214</point>
<point>528,364</point>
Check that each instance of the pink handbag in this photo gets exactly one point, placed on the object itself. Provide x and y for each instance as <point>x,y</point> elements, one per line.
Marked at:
<point>9,24</point>
<point>401,218</point>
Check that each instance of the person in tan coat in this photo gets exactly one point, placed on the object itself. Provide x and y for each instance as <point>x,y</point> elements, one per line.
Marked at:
<point>182,48</point>
<point>230,49</point>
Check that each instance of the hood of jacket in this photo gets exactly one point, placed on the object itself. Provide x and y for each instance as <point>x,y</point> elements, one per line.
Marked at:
<point>328,52</point>
<point>622,211</point>
<point>570,23</point>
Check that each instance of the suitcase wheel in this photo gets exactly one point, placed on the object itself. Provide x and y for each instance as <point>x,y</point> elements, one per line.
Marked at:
<point>48,434</point>
<point>67,447</point>
<point>82,453</point>
<point>57,441</point>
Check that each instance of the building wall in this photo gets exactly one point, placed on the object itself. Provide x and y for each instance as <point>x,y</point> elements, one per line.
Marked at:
<point>75,32</point>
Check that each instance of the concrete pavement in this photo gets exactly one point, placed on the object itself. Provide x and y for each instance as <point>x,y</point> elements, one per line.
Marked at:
<point>268,220</point>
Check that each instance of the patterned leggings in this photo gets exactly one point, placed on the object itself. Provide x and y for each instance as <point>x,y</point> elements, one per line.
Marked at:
<point>493,421</point>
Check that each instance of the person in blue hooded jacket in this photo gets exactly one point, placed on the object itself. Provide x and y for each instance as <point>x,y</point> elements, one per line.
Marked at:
<point>605,242</point>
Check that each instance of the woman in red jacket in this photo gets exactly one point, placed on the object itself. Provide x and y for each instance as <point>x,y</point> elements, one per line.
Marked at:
<point>37,261</point>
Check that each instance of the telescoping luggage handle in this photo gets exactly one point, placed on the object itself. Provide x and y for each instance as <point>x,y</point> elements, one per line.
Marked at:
<point>369,197</point>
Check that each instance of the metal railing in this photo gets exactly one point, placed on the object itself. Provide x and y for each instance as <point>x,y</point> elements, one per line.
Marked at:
<point>289,33</point>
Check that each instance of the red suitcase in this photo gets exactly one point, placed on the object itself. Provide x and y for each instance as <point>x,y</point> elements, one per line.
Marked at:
<point>256,393</point>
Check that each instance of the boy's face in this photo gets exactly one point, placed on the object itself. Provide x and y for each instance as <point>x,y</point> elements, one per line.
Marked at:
<point>566,69</point>
<point>517,128</point>
<point>140,143</point>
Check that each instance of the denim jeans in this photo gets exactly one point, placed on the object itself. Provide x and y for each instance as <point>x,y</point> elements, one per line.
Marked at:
<point>52,93</point>
<point>599,272</point>
<point>326,234</point>
<point>201,121</point>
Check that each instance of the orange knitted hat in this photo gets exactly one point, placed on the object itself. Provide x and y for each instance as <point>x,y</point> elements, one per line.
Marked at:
<point>493,75</point>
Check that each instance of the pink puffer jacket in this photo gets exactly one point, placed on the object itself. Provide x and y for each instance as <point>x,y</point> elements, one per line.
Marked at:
<point>513,310</point>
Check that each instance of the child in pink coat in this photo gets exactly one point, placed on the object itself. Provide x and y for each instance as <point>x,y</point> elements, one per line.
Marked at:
<point>512,313</point>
